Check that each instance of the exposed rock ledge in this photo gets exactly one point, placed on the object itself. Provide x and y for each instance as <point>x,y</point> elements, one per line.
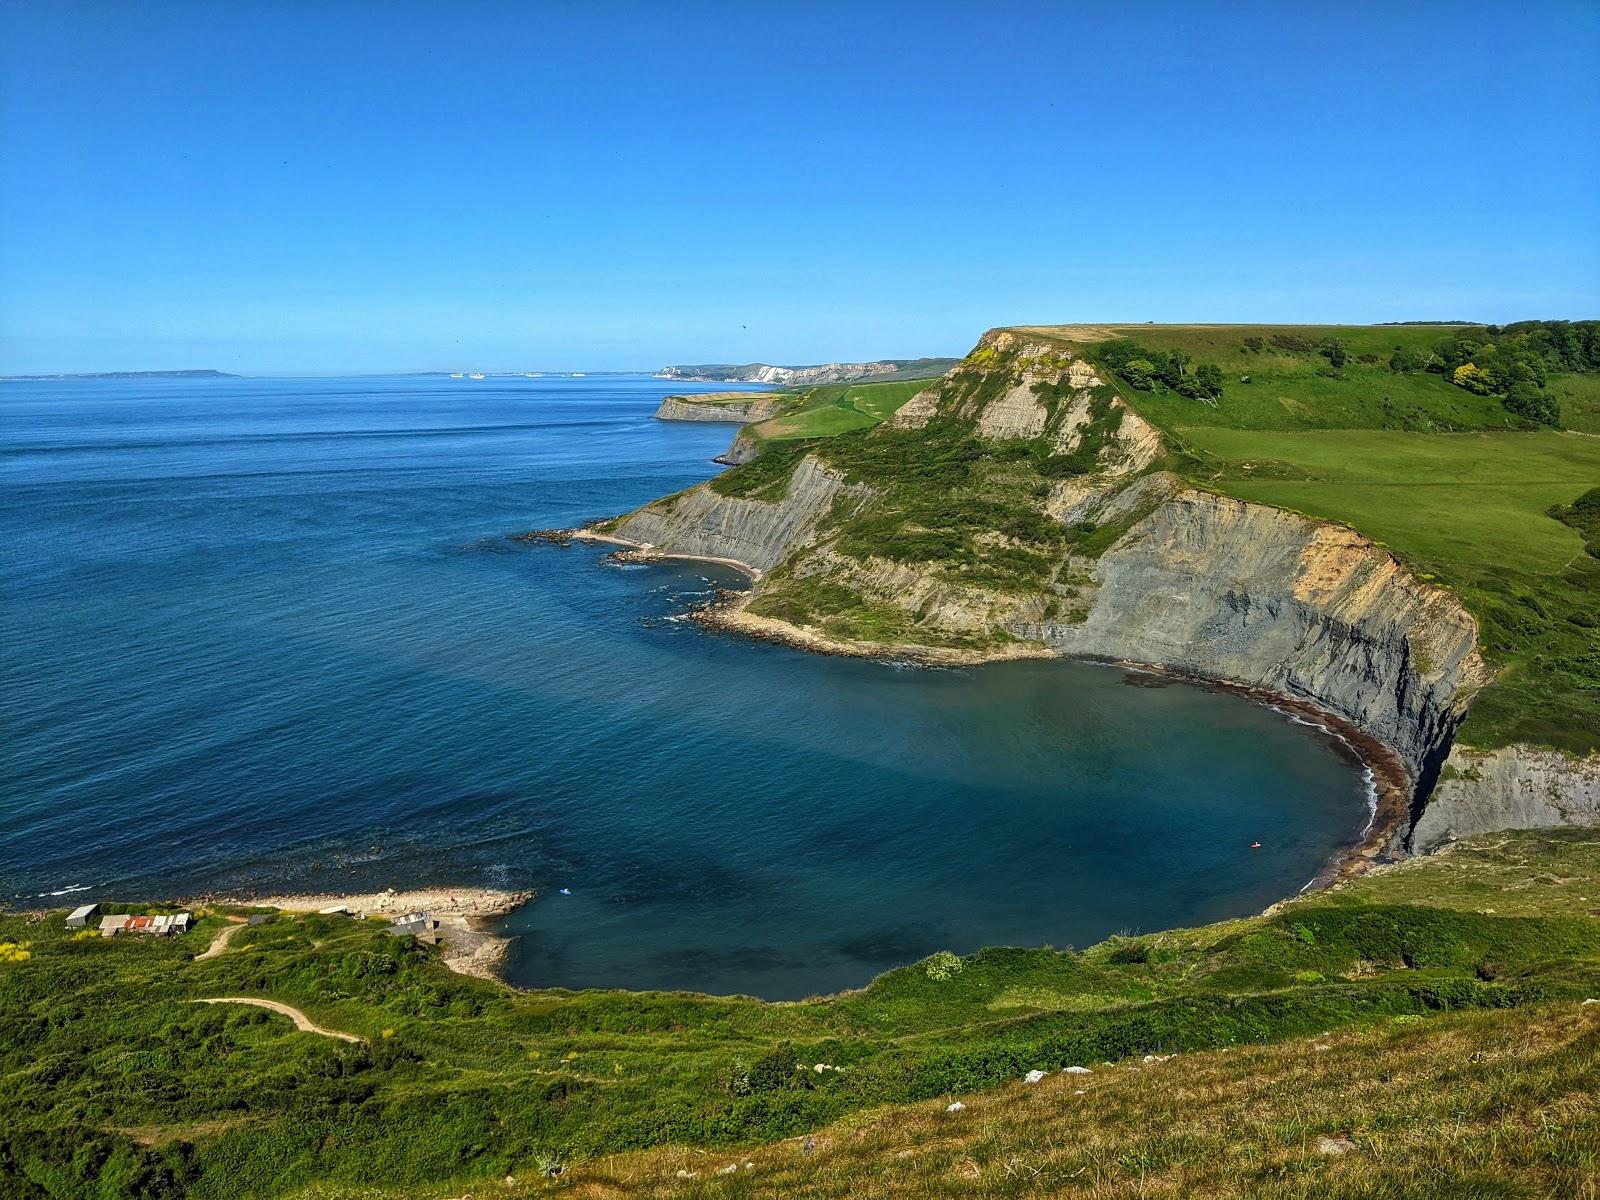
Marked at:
<point>741,451</point>
<point>702,524</point>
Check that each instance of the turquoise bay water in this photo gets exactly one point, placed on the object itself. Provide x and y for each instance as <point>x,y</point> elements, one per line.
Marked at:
<point>272,633</point>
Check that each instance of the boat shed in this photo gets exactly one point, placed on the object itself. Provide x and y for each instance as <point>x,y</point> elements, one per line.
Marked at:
<point>78,918</point>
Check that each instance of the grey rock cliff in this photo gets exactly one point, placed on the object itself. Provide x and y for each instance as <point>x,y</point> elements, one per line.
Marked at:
<point>1249,594</point>
<point>756,532</point>
<point>724,407</point>
<point>1516,787</point>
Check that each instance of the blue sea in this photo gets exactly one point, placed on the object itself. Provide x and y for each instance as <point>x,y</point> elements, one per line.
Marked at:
<point>273,633</point>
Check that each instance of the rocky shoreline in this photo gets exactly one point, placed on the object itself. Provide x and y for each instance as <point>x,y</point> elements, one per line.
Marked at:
<point>464,916</point>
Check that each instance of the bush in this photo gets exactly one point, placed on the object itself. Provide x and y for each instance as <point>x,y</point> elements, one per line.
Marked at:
<point>1140,373</point>
<point>1406,361</point>
<point>1532,403</point>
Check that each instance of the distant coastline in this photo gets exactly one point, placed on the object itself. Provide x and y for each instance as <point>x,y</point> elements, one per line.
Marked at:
<point>197,374</point>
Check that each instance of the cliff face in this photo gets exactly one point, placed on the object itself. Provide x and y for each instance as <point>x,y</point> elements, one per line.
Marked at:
<point>741,450</point>
<point>1166,575</point>
<point>726,407</point>
<point>1218,587</point>
<point>755,532</point>
<point>1516,787</point>
<point>820,373</point>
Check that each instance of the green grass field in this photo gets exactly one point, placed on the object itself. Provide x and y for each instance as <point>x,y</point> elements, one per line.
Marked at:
<point>116,1084</point>
<point>839,408</point>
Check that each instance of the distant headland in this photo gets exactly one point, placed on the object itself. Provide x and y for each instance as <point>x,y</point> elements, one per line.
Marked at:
<point>207,374</point>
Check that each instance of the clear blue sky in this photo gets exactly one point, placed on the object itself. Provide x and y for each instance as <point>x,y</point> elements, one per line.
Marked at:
<point>323,187</point>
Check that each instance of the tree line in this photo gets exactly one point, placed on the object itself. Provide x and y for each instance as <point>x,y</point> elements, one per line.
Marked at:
<point>1143,368</point>
<point>1512,361</point>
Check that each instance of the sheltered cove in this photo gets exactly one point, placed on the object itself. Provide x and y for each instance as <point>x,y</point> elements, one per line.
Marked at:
<point>1391,782</point>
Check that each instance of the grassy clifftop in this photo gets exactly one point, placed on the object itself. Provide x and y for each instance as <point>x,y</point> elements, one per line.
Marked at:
<point>118,1085</point>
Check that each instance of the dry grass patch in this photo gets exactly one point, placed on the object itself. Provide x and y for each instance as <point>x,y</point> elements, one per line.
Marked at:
<point>1480,1104</point>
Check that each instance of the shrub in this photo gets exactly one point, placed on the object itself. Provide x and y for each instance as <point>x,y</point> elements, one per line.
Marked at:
<point>1406,361</point>
<point>1532,403</point>
<point>942,966</point>
<point>1140,373</point>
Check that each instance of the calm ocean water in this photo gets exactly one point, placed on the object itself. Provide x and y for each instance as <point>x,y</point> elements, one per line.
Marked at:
<point>272,632</point>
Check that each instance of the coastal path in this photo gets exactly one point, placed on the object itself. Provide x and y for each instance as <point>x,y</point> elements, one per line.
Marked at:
<point>301,1022</point>
<point>220,942</point>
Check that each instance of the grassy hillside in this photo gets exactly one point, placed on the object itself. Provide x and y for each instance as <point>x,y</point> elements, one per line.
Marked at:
<point>1487,1104</point>
<point>838,408</point>
<point>1286,390</point>
<point>1580,401</point>
<point>118,1085</point>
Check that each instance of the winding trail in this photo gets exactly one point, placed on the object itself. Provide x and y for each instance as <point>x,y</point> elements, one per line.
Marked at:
<point>220,942</point>
<point>301,1022</point>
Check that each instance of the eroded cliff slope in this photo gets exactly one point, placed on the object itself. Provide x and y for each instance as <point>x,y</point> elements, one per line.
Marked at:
<point>1020,505</point>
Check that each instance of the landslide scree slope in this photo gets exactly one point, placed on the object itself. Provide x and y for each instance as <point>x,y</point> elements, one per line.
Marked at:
<point>118,1084</point>
<point>1036,498</point>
